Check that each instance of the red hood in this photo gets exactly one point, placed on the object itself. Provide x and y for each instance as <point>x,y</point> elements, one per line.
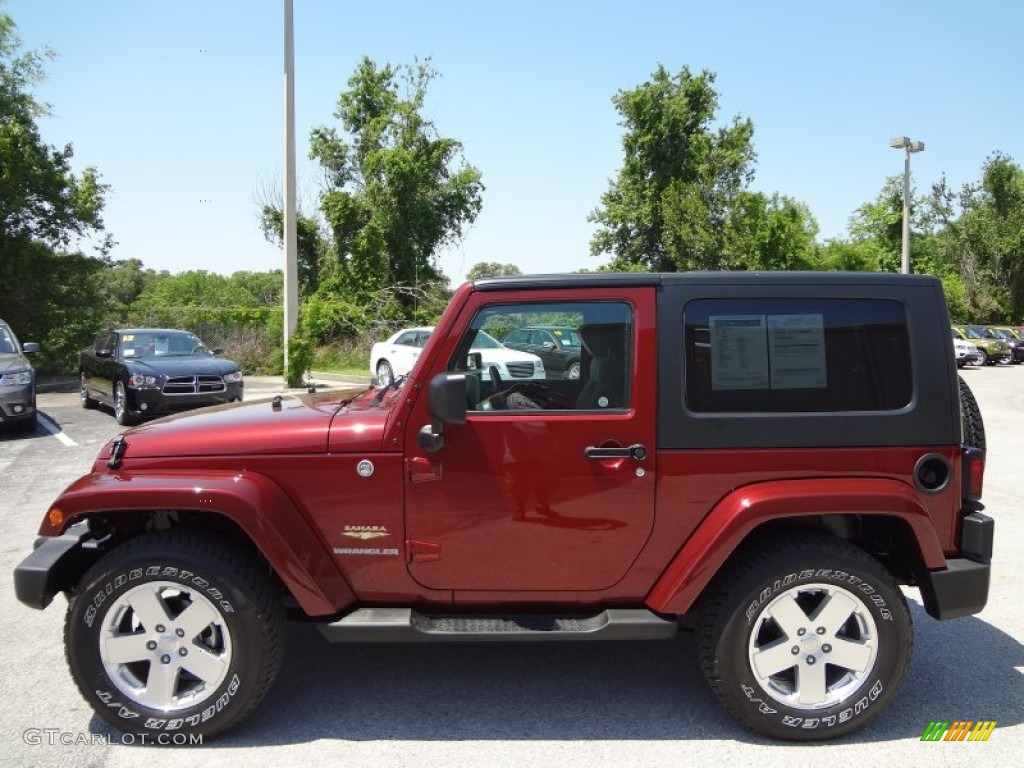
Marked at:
<point>335,421</point>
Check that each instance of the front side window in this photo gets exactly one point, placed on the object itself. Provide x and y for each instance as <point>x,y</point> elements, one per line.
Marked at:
<point>502,378</point>
<point>796,355</point>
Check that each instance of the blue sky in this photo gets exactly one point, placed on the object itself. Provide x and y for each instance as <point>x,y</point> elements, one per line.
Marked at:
<point>527,87</point>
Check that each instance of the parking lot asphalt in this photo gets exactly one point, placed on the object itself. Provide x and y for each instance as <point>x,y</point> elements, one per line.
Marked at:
<point>616,704</point>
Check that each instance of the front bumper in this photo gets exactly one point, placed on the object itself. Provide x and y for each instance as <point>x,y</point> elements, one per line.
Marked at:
<point>53,566</point>
<point>153,402</point>
<point>17,402</point>
<point>961,588</point>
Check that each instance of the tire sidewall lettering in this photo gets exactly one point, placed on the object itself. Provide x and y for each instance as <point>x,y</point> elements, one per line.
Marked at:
<point>186,578</point>
<point>842,578</point>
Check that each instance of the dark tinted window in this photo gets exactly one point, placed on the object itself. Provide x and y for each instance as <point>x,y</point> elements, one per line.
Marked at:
<point>796,355</point>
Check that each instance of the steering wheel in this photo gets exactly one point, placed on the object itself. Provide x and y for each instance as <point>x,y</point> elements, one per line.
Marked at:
<point>499,385</point>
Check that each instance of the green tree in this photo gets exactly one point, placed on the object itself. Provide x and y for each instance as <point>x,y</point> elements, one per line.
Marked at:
<point>395,191</point>
<point>312,247</point>
<point>484,269</point>
<point>264,288</point>
<point>681,199</point>
<point>125,280</point>
<point>672,205</point>
<point>40,197</point>
<point>47,213</point>
<point>992,233</point>
<point>770,233</point>
<point>881,222</point>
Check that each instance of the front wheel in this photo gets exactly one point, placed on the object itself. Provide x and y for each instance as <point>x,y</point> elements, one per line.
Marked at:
<point>121,414</point>
<point>384,374</point>
<point>174,632</point>
<point>83,392</point>
<point>983,357</point>
<point>805,637</point>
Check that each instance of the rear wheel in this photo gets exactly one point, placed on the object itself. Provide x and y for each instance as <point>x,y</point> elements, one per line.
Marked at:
<point>983,357</point>
<point>174,632</point>
<point>970,415</point>
<point>805,637</point>
<point>573,371</point>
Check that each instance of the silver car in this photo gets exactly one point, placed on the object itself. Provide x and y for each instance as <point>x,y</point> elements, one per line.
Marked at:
<point>17,381</point>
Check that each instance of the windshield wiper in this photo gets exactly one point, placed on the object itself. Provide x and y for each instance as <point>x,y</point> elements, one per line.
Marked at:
<point>395,383</point>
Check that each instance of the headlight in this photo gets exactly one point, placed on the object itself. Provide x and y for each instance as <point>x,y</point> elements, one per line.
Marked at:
<point>12,379</point>
<point>233,378</point>
<point>138,381</point>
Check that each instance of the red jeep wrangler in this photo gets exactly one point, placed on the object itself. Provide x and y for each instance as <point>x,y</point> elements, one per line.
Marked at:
<point>762,457</point>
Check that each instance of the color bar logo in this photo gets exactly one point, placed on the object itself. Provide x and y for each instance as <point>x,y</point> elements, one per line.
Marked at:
<point>959,730</point>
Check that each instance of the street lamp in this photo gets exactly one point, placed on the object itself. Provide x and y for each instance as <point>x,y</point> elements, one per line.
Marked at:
<point>902,142</point>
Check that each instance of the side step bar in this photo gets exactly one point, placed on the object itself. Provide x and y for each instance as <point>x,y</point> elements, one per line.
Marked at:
<point>404,625</point>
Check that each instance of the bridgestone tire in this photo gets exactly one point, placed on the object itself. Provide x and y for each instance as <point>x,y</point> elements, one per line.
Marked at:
<point>970,414</point>
<point>761,639</point>
<point>174,634</point>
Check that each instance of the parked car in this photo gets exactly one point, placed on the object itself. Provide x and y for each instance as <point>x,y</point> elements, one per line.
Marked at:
<point>143,372</point>
<point>397,356</point>
<point>17,381</point>
<point>1011,337</point>
<point>776,492</point>
<point>965,351</point>
<point>993,349</point>
<point>558,346</point>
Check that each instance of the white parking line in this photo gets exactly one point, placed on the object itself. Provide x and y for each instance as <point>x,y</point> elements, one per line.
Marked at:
<point>56,431</point>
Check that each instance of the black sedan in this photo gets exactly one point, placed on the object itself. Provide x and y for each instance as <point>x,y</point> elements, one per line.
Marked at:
<point>144,372</point>
<point>558,346</point>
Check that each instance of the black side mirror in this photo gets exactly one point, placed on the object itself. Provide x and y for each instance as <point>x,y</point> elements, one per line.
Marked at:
<point>447,398</point>
<point>217,351</point>
<point>446,402</point>
<point>104,353</point>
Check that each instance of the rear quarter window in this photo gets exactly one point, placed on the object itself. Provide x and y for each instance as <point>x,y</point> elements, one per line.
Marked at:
<point>779,355</point>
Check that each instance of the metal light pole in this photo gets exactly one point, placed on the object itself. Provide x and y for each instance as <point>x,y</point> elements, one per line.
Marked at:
<point>902,142</point>
<point>291,272</point>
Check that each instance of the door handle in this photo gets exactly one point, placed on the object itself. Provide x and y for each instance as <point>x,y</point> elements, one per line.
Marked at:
<point>636,451</point>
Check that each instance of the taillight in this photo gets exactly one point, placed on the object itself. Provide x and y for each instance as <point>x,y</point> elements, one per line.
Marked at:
<point>973,473</point>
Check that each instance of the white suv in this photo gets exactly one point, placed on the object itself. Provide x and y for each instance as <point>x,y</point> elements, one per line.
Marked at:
<point>397,356</point>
